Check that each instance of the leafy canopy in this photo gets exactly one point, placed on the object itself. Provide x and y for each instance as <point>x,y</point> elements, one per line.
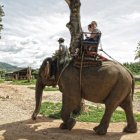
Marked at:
<point>1,15</point>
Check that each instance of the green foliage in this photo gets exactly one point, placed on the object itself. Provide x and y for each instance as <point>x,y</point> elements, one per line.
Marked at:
<point>35,72</point>
<point>2,73</point>
<point>137,82</point>
<point>1,11</point>
<point>93,114</point>
<point>133,67</point>
<point>24,82</point>
<point>137,56</point>
<point>1,14</point>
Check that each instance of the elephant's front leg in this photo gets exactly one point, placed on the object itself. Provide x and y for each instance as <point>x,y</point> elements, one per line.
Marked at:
<point>68,122</point>
<point>67,108</point>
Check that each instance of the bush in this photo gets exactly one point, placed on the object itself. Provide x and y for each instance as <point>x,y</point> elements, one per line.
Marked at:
<point>133,67</point>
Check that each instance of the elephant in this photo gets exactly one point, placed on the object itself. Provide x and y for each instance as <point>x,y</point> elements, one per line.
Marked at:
<point>110,84</point>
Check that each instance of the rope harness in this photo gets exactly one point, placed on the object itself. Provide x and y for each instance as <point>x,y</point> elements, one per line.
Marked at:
<point>81,68</point>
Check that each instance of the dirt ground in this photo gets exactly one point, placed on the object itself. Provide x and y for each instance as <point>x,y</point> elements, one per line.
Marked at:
<point>17,105</point>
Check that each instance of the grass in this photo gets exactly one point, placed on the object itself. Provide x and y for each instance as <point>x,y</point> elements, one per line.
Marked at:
<point>137,83</point>
<point>1,80</point>
<point>47,88</point>
<point>137,95</point>
<point>33,82</point>
<point>51,109</point>
<point>24,82</point>
<point>93,114</point>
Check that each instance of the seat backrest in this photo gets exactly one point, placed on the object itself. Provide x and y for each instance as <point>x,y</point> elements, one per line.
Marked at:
<point>91,44</point>
<point>94,40</point>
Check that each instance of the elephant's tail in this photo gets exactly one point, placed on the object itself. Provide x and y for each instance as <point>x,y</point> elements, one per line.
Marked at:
<point>133,85</point>
<point>133,80</point>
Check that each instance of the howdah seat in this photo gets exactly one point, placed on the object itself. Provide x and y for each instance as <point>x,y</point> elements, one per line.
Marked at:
<point>90,44</point>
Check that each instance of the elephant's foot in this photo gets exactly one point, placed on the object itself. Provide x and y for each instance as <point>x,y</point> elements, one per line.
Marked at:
<point>34,115</point>
<point>100,130</point>
<point>63,126</point>
<point>69,125</point>
<point>131,128</point>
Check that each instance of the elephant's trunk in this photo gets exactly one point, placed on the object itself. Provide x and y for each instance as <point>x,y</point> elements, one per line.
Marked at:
<point>38,97</point>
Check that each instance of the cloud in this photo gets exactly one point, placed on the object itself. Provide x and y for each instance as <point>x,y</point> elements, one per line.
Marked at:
<point>32,28</point>
<point>132,17</point>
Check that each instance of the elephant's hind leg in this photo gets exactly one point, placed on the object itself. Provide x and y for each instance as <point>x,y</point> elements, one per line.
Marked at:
<point>131,123</point>
<point>101,129</point>
<point>111,103</point>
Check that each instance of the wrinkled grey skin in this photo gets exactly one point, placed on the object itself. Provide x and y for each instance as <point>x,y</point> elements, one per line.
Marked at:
<point>110,84</point>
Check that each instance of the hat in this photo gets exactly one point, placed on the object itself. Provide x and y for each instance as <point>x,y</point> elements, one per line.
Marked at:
<point>61,40</point>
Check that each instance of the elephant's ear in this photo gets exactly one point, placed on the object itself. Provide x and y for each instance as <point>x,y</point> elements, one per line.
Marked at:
<point>45,72</point>
<point>47,69</point>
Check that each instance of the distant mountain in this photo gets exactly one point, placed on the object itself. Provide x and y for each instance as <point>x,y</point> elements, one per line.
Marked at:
<point>7,67</point>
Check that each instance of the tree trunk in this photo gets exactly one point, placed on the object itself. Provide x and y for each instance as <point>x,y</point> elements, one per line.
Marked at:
<point>74,24</point>
<point>75,29</point>
<point>29,74</point>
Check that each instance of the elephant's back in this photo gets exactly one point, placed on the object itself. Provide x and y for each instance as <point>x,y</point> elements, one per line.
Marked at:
<point>98,82</point>
<point>95,83</point>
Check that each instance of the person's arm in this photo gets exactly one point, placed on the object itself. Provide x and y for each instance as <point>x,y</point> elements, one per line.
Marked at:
<point>95,33</point>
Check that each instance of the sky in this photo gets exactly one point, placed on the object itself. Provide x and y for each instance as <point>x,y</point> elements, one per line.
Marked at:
<point>32,28</point>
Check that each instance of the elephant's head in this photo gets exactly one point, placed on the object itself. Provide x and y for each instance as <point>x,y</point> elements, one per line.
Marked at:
<point>45,72</point>
<point>42,81</point>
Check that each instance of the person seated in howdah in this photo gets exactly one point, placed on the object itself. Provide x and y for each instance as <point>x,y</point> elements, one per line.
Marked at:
<point>90,40</point>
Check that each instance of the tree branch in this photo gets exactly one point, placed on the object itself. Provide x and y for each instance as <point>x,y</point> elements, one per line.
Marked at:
<point>68,2</point>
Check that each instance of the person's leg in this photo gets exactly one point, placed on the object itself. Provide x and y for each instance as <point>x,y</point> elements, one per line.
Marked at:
<point>52,75</point>
<point>53,69</point>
